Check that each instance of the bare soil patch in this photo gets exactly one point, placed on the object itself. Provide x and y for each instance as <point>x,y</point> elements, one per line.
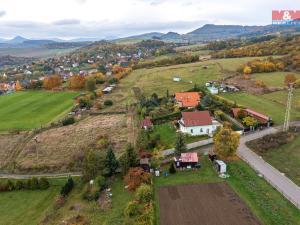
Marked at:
<point>203,204</point>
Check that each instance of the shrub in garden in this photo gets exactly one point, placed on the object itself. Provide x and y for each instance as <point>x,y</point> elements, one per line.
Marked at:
<point>67,121</point>
<point>101,182</point>
<point>172,169</point>
<point>44,183</point>
<point>144,194</point>
<point>3,187</point>
<point>135,177</point>
<point>85,103</point>
<point>108,102</point>
<point>132,209</point>
<point>91,192</point>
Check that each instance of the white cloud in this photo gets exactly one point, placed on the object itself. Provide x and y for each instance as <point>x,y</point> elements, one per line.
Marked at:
<point>35,18</point>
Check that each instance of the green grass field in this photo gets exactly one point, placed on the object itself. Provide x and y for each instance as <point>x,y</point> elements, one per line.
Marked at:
<point>266,203</point>
<point>286,159</point>
<point>168,135</point>
<point>27,110</point>
<point>275,79</point>
<point>272,104</point>
<point>28,207</point>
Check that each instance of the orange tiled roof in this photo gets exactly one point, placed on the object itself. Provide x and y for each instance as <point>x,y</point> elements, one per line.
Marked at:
<point>188,99</point>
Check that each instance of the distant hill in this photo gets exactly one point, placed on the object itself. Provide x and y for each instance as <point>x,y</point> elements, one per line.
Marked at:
<point>214,32</point>
<point>210,32</point>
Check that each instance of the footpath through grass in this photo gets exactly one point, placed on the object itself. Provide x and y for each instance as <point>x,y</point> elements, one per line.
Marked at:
<point>266,203</point>
<point>31,109</point>
<point>27,207</point>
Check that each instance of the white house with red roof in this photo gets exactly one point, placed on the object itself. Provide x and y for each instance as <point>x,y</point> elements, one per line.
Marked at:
<point>198,123</point>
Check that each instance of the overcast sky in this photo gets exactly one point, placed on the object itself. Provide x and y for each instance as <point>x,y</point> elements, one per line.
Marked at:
<point>118,18</point>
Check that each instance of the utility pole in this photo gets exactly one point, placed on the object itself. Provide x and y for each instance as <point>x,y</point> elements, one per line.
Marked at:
<point>286,124</point>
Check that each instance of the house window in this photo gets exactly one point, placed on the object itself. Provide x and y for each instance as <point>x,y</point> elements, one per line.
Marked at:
<point>191,130</point>
<point>201,130</point>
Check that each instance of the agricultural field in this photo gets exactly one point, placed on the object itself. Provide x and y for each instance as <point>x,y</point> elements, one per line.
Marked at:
<point>286,159</point>
<point>32,109</point>
<point>212,203</point>
<point>28,207</point>
<point>272,208</point>
<point>270,104</point>
<point>275,79</point>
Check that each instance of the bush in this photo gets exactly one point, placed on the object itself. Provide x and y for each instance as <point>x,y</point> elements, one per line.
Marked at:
<point>34,184</point>
<point>67,188</point>
<point>10,185</point>
<point>68,121</point>
<point>85,103</point>
<point>144,194</point>
<point>113,80</point>
<point>101,182</point>
<point>3,187</point>
<point>172,169</point>
<point>19,185</point>
<point>91,192</point>
<point>44,183</point>
<point>108,102</point>
<point>132,209</point>
<point>135,177</point>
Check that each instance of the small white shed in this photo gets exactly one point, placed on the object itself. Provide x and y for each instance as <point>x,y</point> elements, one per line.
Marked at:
<point>220,166</point>
<point>176,79</point>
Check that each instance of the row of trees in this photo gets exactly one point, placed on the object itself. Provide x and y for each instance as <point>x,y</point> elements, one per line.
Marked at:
<point>261,66</point>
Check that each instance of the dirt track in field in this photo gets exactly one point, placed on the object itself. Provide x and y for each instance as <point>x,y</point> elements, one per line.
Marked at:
<point>203,204</point>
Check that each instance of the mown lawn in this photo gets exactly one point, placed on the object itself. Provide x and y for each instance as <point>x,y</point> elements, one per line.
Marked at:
<point>27,207</point>
<point>262,104</point>
<point>168,135</point>
<point>266,203</point>
<point>286,159</point>
<point>275,79</point>
<point>31,109</point>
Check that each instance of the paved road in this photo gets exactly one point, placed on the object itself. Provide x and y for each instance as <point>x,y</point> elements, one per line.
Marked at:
<point>278,180</point>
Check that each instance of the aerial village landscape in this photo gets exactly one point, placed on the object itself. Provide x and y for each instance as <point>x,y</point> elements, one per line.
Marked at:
<point>201,127</point>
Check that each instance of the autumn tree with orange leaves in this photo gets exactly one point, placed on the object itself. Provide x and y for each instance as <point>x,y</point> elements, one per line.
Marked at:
<point>289,79</point>
<point>52,82</point>
<point>135,177</point>
<point>77,82</point>
<point>18,86</point>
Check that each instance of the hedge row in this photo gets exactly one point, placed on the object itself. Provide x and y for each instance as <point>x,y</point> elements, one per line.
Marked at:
<point>31,184</point>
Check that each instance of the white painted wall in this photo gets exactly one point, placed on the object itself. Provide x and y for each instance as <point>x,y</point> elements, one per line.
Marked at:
<point>198,130</point>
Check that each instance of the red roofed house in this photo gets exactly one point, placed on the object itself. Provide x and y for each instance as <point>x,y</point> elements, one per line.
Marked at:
<point>197,123</point>
<point>187,99</point>
<point>146,124</point>
<point>186,160</point>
